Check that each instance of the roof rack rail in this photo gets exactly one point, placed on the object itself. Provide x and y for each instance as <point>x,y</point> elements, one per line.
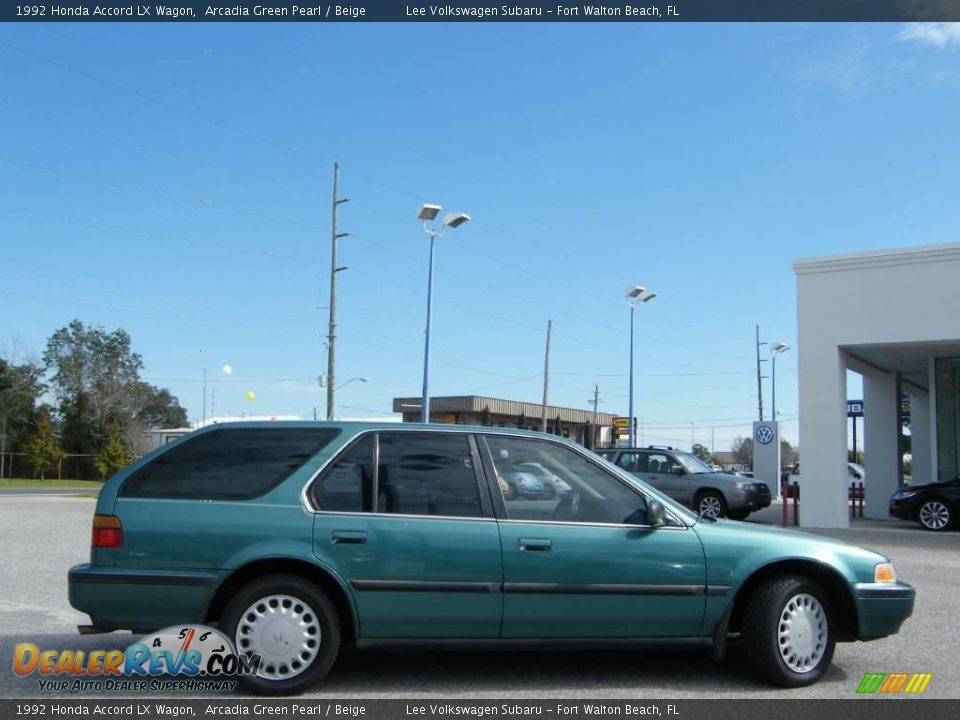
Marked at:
<point>660,447</point>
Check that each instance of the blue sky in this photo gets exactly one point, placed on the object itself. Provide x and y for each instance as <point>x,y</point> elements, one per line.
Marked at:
<point>175,180</point>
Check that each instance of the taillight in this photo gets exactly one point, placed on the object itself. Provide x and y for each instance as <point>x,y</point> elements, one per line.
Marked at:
<point>107,532</point>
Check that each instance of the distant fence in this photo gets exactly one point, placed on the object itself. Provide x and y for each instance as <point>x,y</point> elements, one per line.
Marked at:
<point>72,467</point>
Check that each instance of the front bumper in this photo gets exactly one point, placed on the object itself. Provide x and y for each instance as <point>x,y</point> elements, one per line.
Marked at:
<point>752,498</point>
<point>882,608</point>
<point>126,599</point>
<point>903,509</point>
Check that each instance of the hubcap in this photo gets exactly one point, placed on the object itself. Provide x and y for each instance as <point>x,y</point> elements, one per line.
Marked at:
<point>283,631</point>
<point>802,633</point>
<point>934,515</point>
<point>710,506</point>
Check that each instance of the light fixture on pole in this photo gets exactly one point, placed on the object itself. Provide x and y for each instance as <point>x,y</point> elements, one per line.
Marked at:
<point>428,213</point>
<point>775,349</point>
<point>361,379</point>
<point>635,295</point>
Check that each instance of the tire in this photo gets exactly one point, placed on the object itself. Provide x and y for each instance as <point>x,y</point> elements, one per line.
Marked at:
<point>711,504</point>
<point>935,514</point>
<point>304,612</point>
<point>738,514</point>
<point>549,491</point>
<point>788,631</point>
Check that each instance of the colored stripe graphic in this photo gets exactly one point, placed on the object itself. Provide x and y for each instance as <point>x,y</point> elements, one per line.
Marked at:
<point>892,683</point>
<point>871,682</point>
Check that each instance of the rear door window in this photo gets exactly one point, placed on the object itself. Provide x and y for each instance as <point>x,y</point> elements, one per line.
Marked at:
<point>427,473</point>
<point>228,464</point>
<point>347,485</point>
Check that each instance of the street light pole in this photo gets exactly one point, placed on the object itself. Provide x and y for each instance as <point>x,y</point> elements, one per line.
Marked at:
<point>428,213</point>
<point>775,349</point>
<point>425,395</point>
<point>635,295</point>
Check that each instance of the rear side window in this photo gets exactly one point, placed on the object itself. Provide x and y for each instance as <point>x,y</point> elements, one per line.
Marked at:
<point>424,473</point>
<point>347,485</point>
<point>228,464</point>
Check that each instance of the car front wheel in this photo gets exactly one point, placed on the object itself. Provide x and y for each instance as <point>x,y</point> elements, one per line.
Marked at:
<point>787,631</point>
<point>935,515</point>
<point>291,625</point>
<point>710,504</point>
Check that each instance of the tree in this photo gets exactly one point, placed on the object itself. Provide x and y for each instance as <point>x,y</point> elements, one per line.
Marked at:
<point>701,452</point>
<point>557,430</point>
<point>485,419</point>
<point>93,371</point>
<point>96,380</point>
<point>20,390</point>
<point>588,436</point>
<point>113,455</point>
<point>522,421</point>
<point>788,454</point>
<point>42,449</point>
<point>742,450</point>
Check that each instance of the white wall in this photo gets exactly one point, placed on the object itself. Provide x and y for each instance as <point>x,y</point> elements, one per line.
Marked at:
<point>887,297</point>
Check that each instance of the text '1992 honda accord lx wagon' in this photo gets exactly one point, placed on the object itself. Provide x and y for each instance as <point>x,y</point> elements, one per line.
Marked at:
<point>296,539</point>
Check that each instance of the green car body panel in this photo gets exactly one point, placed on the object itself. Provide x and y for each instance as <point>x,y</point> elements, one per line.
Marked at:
<point>410,577</point>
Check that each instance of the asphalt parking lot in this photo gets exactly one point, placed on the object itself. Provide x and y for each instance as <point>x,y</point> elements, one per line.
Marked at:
<point>42,536</point>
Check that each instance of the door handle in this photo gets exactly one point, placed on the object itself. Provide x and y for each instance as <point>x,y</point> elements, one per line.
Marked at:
<point>348,537</point>
<point>535,544</point>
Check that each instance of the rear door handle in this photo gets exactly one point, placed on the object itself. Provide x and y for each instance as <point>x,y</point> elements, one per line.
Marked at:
<point>535,544</point>
<point>348,537</point>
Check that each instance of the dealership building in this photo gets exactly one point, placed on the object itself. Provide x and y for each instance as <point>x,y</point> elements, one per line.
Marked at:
<point>496,412</point>
<point>886,315</point>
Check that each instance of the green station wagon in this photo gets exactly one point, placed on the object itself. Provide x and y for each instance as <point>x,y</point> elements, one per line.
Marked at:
<point>298,539</point>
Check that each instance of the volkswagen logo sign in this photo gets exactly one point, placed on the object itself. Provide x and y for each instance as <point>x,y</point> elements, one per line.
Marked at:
<point>764,434</point>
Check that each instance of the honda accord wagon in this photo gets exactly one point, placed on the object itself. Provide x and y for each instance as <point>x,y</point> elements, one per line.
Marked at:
<point>297,540</point>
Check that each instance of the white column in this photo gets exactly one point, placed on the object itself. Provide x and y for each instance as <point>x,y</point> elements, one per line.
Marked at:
<point>934,430</point>
<point>822,378</point>
<point>920,437</point>
<point>881,422</point>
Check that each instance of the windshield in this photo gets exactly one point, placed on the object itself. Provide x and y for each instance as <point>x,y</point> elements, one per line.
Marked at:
<point>692,464</point>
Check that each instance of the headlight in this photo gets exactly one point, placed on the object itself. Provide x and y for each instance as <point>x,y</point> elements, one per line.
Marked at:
<point>884,573</point>
<point>740,485</point>
<point>904,494</point>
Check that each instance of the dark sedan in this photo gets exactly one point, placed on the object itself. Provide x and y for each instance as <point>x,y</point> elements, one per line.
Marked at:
<point>935,505</point>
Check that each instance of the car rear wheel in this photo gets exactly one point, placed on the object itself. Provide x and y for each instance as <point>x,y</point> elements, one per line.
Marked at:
<point>787,631</point>
<point>549,491</point>
<point>935,514</point>
<point>292,625</point>
<point>710,504</point>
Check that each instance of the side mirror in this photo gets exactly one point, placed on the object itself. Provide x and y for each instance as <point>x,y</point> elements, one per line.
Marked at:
<point>678,470</point>
<point>654,513</point>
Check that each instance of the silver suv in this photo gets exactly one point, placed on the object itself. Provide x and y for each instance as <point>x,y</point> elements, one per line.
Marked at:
<point>690,481</point>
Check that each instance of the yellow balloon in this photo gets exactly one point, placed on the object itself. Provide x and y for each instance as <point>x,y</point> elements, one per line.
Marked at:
<point>249,395</point>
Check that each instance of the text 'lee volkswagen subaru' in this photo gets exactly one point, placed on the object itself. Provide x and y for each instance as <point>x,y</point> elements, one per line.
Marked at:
<point>298,538</point>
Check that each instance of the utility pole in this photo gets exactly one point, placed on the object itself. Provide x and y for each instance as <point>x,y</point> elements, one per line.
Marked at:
<point>332,331</point>
<point>759,384</point>
<point>691,436</point>
<point>546,379</point>
<point>596,399</point>
<point>713,444</point>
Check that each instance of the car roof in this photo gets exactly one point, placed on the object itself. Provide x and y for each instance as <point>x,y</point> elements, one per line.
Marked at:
<point>357,426</point>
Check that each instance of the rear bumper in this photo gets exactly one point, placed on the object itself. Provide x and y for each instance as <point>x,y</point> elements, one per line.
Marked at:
<point>882,608</point>
<point>121,599</point>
